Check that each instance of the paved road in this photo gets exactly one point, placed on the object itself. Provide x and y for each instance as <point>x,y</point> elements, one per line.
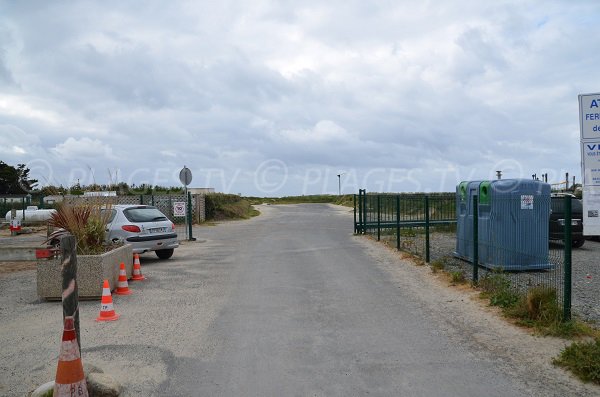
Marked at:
<point>311,315</point>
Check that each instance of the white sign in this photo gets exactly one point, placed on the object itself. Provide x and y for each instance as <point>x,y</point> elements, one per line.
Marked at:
<point>179,208</point>
<point>589,116</point>
<point>591,211</point>
<point>526,201</point>
<point>589,125</point>
<point>590,156</point>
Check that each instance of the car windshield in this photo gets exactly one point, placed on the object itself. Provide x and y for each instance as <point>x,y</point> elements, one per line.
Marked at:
<point>144,214</point>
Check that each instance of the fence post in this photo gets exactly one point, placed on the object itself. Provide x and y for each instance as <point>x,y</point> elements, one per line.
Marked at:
<point>427,228</point>
<point>359,204</point>
<point>475,240</point>
<point>365,211</point>
<point>354,201</point>
<point>398,222</point>
<point>567,265</point>
<point>378,217</point>
<point>70,292</point>
<point>189,216</point>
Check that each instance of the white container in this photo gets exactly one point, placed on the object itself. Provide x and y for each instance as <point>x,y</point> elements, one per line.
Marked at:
<point>32,214</point>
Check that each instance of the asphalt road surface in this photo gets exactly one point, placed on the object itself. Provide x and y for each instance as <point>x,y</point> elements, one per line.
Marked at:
<point>289,303</point>
<point>310,315</point>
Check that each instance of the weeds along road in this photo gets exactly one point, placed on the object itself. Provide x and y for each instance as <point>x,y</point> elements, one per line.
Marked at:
<point>289,303</point>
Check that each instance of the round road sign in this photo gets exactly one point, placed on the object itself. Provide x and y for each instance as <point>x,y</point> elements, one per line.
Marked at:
<point>185,175</point>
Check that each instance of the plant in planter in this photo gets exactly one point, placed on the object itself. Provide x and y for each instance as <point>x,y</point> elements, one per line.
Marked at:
<point>86,222</point>
<point>97,259</point>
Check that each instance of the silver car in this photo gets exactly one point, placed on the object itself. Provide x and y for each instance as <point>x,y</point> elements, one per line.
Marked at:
<point>144,227</point>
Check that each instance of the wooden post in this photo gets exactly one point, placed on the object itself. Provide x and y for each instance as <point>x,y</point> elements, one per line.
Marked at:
<point>13,215</point>
<point>70,293</point>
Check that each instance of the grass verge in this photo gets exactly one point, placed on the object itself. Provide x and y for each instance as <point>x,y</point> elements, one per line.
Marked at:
<point>345,199</point>
<point>539,308</point>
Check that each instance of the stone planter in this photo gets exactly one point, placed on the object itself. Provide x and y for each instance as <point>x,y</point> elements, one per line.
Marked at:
<point>92,270</point>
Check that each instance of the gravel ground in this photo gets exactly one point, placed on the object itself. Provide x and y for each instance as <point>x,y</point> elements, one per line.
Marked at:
<point>585,270</point>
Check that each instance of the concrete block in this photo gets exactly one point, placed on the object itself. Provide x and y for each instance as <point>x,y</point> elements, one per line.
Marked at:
<point>91,272</point>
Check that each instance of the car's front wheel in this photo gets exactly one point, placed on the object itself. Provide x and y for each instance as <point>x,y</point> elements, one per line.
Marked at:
<point>165,254</point>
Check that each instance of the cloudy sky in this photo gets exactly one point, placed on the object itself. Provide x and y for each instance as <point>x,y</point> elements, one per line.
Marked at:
<point>279,97</point>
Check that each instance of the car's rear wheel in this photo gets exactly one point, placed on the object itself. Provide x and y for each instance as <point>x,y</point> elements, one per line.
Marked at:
<point>577,243</point>
<point>165,254</point>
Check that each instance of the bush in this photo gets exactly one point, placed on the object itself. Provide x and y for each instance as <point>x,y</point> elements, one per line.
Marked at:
<point>221,206</point>
<point>457,277</point>
<point>86,222</point>
<point>498,289</point>
<point>583,359</point>
<point>542,305</point>
<point>438,265</point>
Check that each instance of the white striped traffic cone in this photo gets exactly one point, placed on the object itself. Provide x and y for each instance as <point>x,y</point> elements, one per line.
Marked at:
<point>70,380</point>
<point>137,269</point>
<point>107,310</point>
<point>122,285</point>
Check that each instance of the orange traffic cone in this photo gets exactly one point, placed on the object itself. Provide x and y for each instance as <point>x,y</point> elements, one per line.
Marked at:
<point>107,311</point>
<point>70,380</point>
<point>122,286</point>
<point>137,269</point>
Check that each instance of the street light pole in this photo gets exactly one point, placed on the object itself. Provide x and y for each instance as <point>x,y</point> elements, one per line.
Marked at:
<point>340,183</point>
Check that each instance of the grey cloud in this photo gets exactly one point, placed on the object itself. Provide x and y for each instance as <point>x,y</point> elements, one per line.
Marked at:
<point>329,86</point>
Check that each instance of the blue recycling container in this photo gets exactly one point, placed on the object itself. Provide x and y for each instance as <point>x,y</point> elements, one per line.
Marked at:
<point>513,219</point>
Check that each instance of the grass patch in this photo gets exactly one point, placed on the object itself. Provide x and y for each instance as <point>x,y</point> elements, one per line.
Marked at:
<point>438,265</point>
<point>583,359</point>
<point>458,277</point>
<point>539,308</point>
<point>496,287</point>
<point>220,206</point>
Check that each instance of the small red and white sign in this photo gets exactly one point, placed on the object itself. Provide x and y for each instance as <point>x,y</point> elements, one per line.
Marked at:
<point>15,225</point>
<point>526,201</point>
<point>179,208</point>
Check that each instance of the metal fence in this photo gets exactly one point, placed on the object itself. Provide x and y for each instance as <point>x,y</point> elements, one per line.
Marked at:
<point>426,225</point>
<point>192,208</point>
<point>18,204</point>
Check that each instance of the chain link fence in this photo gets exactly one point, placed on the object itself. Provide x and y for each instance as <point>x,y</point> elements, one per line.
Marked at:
<point>510,246</point>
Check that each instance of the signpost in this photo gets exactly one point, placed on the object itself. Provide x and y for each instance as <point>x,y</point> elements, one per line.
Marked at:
<point>589,123</point>
<point>185,176</point>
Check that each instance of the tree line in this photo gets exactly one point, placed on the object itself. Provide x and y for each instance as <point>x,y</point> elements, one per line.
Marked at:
<point>16,180</point>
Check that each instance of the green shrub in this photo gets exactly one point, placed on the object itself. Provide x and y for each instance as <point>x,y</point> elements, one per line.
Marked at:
<point>497,288</point>
<point>221,206</point>
<point>583,359</point>
<point>438,265</point>
<point>457,277</point>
